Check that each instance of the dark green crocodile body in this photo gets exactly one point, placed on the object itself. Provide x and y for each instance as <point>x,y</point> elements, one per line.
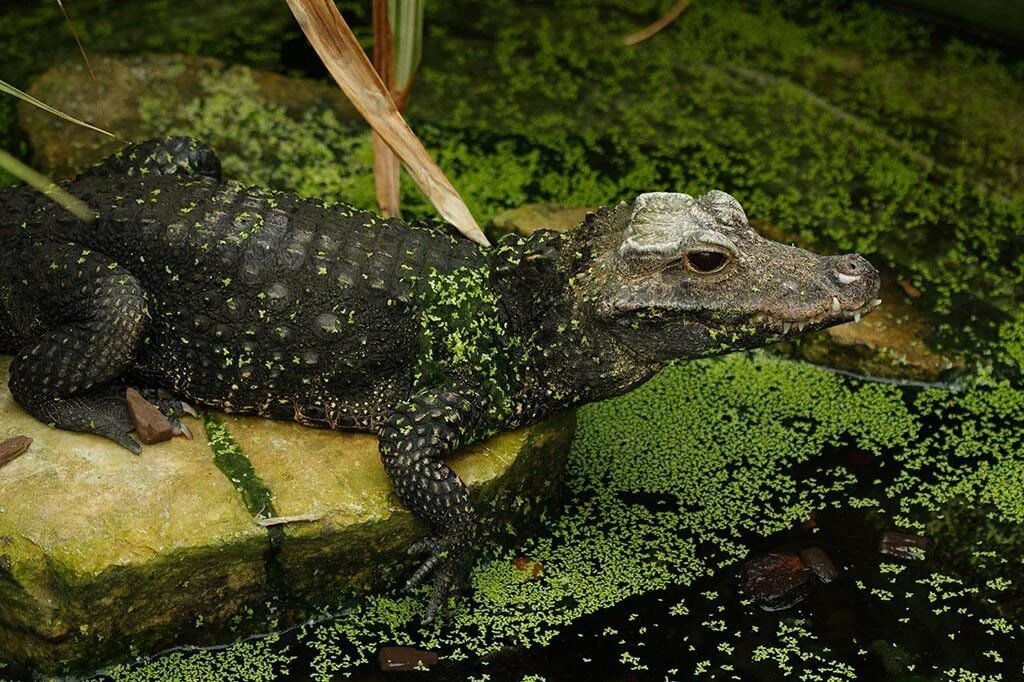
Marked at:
<point>259,302</point>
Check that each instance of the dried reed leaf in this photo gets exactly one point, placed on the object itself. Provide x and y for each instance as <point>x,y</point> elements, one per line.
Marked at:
<point>337,46</point>
<point>387,178</point>
<point>71,204</point>
<point>650,30</point>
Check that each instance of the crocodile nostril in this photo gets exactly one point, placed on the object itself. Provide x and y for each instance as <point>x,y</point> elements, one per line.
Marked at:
<point>851,267</point>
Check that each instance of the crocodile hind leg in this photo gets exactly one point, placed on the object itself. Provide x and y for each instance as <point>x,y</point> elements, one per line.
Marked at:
<point>93,317</point>
<point>161,156</point>
<point>415,439</point>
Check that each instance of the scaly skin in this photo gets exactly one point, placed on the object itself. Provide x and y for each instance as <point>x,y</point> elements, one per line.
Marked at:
<point>259,302</point>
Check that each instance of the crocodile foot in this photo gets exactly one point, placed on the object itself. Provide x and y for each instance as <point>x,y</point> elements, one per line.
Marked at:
<point>448,558</point>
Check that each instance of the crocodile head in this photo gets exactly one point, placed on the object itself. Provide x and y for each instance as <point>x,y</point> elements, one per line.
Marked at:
<point>671,276</point>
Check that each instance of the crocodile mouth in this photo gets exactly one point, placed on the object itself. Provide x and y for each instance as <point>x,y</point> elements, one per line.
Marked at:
<point>834,314</point>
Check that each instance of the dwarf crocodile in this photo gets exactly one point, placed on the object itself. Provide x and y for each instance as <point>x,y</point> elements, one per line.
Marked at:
<point>254,301</point>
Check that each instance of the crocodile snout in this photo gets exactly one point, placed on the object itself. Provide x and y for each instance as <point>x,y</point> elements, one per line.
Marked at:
<point>856,281</point>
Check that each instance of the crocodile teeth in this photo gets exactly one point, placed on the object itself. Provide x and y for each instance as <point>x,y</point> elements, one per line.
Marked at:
<point>835,304</point>
<point>856,317</point>
<point>876,302</point>
<point>785,327</point>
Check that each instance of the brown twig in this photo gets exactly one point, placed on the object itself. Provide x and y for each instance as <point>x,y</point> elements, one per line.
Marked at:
<point>337,46</point>
<point>85,57</point>
<point>651,29</point>
<point>279,520</point>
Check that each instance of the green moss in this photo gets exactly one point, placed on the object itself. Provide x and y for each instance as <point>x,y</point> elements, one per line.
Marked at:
<point>232,462</point>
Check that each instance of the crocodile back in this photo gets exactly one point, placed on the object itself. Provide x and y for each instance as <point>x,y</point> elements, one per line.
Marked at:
<point>260,297</point>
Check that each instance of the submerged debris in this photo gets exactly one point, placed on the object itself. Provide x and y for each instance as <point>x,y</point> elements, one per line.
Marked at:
<point>903,545</point>
<point>13,448</point>
<point>820,563</point>
<point>530,568</point>
<point>403,658</point>
<point>777,580</point>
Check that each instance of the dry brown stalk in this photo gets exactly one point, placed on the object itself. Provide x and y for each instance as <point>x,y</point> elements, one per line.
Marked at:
<point>386,169</point>
<point>279,520</point>
<point>650,30</point>
<point>337,46</point>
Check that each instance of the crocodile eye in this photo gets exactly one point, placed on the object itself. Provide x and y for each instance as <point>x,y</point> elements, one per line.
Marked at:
<point>705,262</point>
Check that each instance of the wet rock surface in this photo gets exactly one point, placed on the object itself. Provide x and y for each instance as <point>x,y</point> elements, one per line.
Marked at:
<point>525,220</point>
<point>903,545</point>
<point>819,562</point>
<point>403,658</point>
<point>103,552</point>
<point>891,342</point>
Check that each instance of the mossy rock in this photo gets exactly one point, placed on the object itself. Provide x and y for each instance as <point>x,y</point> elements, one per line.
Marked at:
<point>105,555</point>
<point>116,101</point>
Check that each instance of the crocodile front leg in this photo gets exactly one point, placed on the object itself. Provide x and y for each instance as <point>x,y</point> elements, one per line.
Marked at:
<point>415,439</point>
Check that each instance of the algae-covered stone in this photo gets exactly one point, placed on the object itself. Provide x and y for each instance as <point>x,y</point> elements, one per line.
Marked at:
<point>100,549</point>
<point>124,84</point>
<point>104,554</point>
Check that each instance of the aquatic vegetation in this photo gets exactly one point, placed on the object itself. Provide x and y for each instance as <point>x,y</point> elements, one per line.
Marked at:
<point>831,122</point>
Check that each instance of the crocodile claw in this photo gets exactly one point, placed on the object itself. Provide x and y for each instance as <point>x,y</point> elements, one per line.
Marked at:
<point>449,558</point>
<point>179,429</point>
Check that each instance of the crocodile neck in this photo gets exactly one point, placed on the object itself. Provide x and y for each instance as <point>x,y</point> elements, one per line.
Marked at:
<point>569,358</point>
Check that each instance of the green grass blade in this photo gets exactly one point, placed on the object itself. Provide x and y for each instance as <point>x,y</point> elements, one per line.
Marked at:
<point>406,19</point>
<point>25,97</point>
<point>72,204</point>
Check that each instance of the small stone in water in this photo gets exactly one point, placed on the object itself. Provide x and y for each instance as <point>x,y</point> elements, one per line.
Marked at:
<point>820,563</point>
<point>150,423</point>
<point>776,580</point>
<point>402,658</point>
<point>903,545</point>
<point>13,448</point>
